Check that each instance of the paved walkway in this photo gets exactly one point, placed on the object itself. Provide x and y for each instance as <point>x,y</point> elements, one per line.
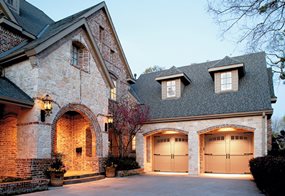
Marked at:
<point>153,185</point>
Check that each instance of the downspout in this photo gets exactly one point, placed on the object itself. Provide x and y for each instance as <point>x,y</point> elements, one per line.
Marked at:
<point>263,134</point>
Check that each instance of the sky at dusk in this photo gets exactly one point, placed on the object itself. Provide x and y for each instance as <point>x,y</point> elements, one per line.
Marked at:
<point>164,33</point>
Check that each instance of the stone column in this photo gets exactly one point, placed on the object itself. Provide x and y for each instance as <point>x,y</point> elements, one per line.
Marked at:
<point>193,148</point>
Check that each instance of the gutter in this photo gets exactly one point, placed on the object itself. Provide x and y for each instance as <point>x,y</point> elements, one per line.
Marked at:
<point>212,116</point>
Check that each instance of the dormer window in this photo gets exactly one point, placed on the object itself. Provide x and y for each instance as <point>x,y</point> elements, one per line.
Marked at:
<point>171,89</point>
<point>226,81</point>
<point>226,74</point>
<point>172,83</point>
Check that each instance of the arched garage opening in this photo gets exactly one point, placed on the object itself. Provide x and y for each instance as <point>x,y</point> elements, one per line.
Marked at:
<point>166,151</point>
<point>226,149</point>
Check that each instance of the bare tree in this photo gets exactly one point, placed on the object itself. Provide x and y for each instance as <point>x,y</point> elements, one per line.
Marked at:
<point>260,23</point>
<point>129,118</point>
<point>154,68</point>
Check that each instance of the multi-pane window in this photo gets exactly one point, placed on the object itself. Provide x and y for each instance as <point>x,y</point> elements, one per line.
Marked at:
<point>113,95</point>
<point>75,55</point>
<point>226,81</point>
<point>171,88</point>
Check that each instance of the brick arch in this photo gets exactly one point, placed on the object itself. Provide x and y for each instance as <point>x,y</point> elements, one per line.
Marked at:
<point>88,115</point>
<point>251,129</point>
<point>164,129</point>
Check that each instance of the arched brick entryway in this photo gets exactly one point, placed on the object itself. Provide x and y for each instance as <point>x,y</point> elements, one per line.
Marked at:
<point>88,115</point>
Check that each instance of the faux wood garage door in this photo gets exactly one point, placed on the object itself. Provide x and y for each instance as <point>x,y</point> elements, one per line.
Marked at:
<point>171,153</point>
<point>228,153</point>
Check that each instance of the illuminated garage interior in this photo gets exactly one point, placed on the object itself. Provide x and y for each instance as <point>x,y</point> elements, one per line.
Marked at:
<point>226,150</point>
<point>167,151</point>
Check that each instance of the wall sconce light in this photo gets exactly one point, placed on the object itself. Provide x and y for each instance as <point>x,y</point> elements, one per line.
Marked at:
<point>47,107</point>
<point>109,122</point>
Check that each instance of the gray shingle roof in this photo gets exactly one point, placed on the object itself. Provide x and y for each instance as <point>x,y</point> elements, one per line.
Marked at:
<point>48,29</point>
<point>199,97</point>
<point>9,92</point>
<point>225,61</point>
<point>31,19</point>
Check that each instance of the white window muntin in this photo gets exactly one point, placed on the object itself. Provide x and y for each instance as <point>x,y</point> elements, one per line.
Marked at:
<point>226,81</point>
<point>171,88</point>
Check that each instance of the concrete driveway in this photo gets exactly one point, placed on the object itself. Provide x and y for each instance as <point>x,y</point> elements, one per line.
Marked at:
<point>159,185</point>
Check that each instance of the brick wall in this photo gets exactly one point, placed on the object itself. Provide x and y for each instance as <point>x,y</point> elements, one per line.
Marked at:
<point>73,133</point>
<point>32,168</point>
<point>8,39</point>
<point>14,188</point>
<point>110,51</point>
<point>8,146</point>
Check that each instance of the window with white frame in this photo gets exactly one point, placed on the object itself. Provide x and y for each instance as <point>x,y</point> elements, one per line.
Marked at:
<point>171,88</point>
<point>113,95</point>
<point>226,81</point>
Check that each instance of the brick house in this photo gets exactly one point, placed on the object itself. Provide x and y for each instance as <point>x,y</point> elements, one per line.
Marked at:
<point>208,117</point>
<point>78,62</point>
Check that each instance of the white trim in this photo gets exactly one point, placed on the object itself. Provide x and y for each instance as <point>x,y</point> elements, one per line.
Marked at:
<point>225,67</point>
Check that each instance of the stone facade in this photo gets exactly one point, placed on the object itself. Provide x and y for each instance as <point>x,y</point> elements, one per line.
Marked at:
<point>9,39</point>
<point>51,72</point>
<point>257,124</point>
<point>110,51</point>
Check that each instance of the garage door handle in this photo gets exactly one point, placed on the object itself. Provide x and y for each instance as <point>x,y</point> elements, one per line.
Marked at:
<point>208,154</point>
<point>247,153</point>
<point>156,154</point>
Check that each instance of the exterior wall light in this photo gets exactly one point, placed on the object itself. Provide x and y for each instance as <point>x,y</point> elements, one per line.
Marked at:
<point>109,122</point>
<point>47,107</point>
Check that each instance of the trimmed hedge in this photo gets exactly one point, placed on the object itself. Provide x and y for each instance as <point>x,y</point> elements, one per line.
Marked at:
<point>269,174</point>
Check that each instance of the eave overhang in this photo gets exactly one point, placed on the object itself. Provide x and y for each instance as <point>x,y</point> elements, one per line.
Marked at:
<point>239,67</point>
<point>184,78</point>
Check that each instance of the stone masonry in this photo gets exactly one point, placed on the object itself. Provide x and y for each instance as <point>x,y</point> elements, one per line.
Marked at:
<point>194,128</point>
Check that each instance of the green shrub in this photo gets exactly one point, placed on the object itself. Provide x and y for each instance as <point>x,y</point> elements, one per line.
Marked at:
<point>125,163</point>
<point>269,174</point>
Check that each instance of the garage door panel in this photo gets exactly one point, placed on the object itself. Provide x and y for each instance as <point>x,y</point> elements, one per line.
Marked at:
<point>162,163</point>
<point>171,153</point>
<point>239,164</point>
<point>180,163</point>
<point>236,148</point>
<point>215,164</point>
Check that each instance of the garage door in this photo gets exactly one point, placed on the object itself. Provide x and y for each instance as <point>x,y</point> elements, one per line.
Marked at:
<point>171,153</point>
<point>228,153</point>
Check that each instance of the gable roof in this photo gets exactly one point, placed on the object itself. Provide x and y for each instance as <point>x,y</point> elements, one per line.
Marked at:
<point>11,93</point>
<point>54,30</point>
<point>225,64</point>
<point>173,73</point>
<point>31,18</point>
<point>199,98</point>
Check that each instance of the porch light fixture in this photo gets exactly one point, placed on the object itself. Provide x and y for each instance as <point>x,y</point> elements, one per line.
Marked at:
<point>226,129</point>
<point>47,107</point>
<point>109,122</point>
<point>169,132</point>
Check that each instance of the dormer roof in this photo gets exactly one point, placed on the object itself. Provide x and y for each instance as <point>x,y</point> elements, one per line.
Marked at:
<point>173,73</point>
<point>227,64</point>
